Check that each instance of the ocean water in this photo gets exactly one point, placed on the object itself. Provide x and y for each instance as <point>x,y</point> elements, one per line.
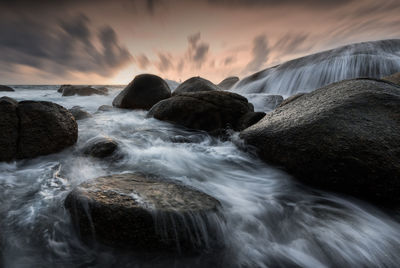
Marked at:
<point>270,219</point>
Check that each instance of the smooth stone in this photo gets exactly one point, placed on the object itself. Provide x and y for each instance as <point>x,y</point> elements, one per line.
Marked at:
<point>195,84</point>
<point>228,82</point>
<point>100,147</point>
<point>79,113</point>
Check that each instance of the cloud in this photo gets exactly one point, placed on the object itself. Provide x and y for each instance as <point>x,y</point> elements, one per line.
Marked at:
<point>58,47</point>
<point>142,61</point>
<point>259,53</point>
<point>229,60</point>
<point>268,3</point>
<point>165,62</point>
<point>197,51</point>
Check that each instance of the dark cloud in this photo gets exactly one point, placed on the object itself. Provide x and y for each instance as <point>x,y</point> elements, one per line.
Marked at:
<point>165,62</point>
<point>61,46</point>
<point>142,61</point>
<point>259,53</point>
<point>197,51</point>
<point>268,3</point>
<point>229,60</point>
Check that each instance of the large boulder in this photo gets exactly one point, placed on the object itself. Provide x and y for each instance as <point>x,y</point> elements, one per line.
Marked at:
<point>394,78</point>
<point>142,93</point>
<point>44,128</point>
<point>6,88</point>
<point>62,87</point>
<point>144,212</point>
<point>343,137</point>
<point>206,110</point>
<point>83,91</point>
<point>195,84</point>
<point>228,82</point>
<point>79,113</point>
<point>8,128</point>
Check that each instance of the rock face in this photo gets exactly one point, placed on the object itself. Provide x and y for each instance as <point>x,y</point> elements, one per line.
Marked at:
<point>6,88</point>
<point>195,84</point>
<point>144,212</point>
<point>343,137</point>
<point>250,119</point>
<point>8,128</point>
<point>207,110</point>
<point>82,91</point>
<point>100,147</point>
<point>45,128</point>
<point>105,108</point>
<point>291,98</point>
<point>79,113</point>
<point>142,93</point>
<point>228,82</point>
<point>394,78</point>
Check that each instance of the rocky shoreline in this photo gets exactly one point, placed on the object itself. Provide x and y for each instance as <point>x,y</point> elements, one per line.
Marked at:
<point>340,138</point>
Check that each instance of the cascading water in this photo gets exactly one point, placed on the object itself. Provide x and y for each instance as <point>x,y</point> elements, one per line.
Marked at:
<point>270,220</point>
<point>369,59</point>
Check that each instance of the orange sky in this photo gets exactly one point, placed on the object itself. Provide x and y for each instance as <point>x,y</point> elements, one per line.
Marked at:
<point>226,37</point>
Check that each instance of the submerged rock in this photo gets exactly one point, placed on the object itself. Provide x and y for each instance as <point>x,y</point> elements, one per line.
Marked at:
<point>195,84</point>
<point>142,93</point>
<point>100,147</point>
<point>6,88</point>
<point>144,213</point>
<point>228,82</point>
<point>32,128</point>
<point>83,91</point>
<point>343,137</point>
<point>62,87</point>
<point>105,108</point>
<point>394,78</point>
<point>79,113</point>
<point>45,128</point>
<point>207,110</point>
<point>8,128</point>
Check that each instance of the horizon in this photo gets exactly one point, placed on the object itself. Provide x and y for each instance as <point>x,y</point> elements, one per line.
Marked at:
<point>76,42</point>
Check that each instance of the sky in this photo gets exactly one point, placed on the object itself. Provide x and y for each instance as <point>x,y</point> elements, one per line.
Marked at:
<point>109,42</point>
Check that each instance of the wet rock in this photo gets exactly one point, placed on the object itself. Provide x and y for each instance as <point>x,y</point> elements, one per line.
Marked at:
<point>264,102</point>
<point>44,128</point>
<point>250,119</point>
<point>62,87</point>
<point>195,84</point>
<point>207,110</point>
<point>291,98</point>
<point>82,91</point>
<point>343,138</point>
<point>394,78</point>
<point>228,82</point>
<point>105,108</point>
<point>8,128</point>
<point>79,113</point>
<point>144,213</point>
<point>6,88</point>
<point>100,147</point>
<point>142,93</point>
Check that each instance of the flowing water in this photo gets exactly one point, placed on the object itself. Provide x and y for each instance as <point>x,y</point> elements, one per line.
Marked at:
<point>270,220</point>
<point>369,59</point>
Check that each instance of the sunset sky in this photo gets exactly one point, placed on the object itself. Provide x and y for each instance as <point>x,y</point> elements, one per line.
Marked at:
<point>109,42</point>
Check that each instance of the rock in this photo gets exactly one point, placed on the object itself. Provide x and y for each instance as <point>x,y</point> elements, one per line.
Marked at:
<point>291,98</point>
<point>228,82</point>
<point>207,110</point>
<point>195,84</point>
<point>100,147</point>
<point>264,102</point>
<point>250,119</point>
<point>79,113</point>
<point>343,138</point>
<point>62,87</point>
<point>142,93</point>
<point>105,108</point>
<point>144,212</point>
<point>8,128</point>
<point>45,128</point>
<point>394,78</point>
<point>6,88</point>
<point>82,91</point>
